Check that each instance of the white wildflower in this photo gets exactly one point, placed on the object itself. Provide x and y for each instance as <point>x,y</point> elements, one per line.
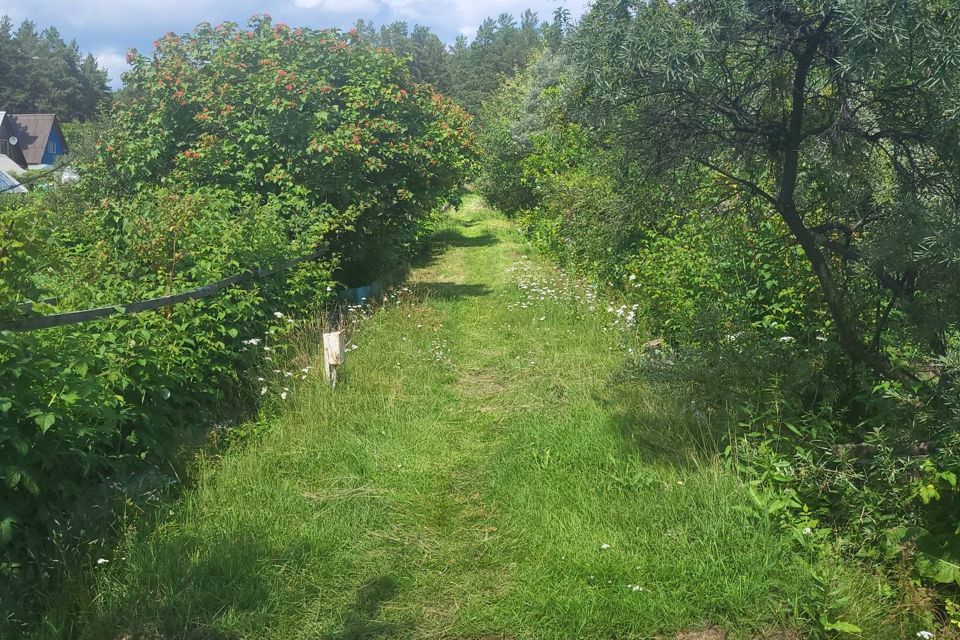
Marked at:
<point>787,339</point>
<point>263,391</point>
<point>252,341</point>
<point>925,635</point>
<point>633,277</point>
<point>807,531</point>
<point>283,395</point>
<point>277,314</point>
<point>604,546</point>
<point>102,561</point>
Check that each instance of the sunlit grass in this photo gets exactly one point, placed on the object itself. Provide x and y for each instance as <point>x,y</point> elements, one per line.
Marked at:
<point>477,474</point>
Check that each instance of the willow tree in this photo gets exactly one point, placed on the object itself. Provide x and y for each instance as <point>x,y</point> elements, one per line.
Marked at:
<point>840,116</point>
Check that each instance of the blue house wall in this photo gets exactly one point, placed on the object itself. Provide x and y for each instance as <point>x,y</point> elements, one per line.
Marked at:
<point>56,146</point>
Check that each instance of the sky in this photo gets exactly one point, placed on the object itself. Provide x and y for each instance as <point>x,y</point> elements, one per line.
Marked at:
<point>108,28</point>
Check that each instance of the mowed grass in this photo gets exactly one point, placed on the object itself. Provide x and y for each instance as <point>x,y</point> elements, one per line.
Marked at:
<point>476,474</point>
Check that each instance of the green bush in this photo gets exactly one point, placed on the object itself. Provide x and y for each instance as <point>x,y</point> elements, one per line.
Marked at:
<point>235,149</point>
<point>849,454</point>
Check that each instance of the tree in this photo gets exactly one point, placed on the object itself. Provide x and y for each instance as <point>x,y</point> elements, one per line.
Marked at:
<point>39,71</point>
<point>426,53</point>
<point>499,50</point>
<point>839,116</point>
<point>320,123</point>
<point>431,60</point>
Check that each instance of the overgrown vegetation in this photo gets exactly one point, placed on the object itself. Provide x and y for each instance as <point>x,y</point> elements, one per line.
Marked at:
<point>477,474</point>
<point>239,148</point>
<point>769,191</point>
<point>773,188</point>
<point>470,70</point>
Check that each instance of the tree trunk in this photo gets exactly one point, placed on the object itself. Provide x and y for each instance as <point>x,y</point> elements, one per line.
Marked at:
<point>786,206</point>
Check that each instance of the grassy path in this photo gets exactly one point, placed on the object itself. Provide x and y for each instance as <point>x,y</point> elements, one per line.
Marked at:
<point>476,475</point>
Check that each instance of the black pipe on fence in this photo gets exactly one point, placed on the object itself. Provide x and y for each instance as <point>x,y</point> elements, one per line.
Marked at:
<point>207,290</point>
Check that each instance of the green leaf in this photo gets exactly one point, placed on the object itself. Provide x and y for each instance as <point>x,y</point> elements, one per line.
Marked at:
<point>29,484</point>
<point>950,477</point>
<point>937,560</point>
<point>841,626</point>
<point>12,477</point>
<point>939,563</point>
<point>6,528</point>
<point>45,421</point>
<point>928,493</point>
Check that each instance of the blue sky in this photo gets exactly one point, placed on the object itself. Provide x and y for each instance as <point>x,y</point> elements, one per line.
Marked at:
<point>107,28</point>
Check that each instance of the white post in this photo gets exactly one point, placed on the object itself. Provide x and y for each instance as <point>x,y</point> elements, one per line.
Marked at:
<point>333,350</point>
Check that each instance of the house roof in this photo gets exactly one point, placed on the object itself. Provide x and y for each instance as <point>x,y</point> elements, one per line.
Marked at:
<point>33,131</point>
<point>9,184</point>
<point>10,165</point>
<point>14,160</point>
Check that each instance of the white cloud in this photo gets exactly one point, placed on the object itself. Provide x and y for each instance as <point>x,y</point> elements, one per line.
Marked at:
<point>11,12</point>
<point>356,7</point>
<point>114,62</point>
<point>110,27</point>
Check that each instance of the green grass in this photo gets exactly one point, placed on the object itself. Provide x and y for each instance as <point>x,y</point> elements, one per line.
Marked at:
<point>461,483</point>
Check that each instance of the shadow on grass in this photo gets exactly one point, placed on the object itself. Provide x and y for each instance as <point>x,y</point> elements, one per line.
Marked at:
<point>447,239</point>
<point>454,238</point>
<point>361,621</point>
<point>171,595</point>
<point>657,424</point>
<point>168,593</point>
<point>450,290</point>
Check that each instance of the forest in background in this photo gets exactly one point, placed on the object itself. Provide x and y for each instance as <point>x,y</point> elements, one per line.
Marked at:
<point>41,73</point>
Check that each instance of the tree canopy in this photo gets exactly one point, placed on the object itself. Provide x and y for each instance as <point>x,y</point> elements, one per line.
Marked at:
<point>470,71</point>
<point>840,117</point>
<point>40,72</point>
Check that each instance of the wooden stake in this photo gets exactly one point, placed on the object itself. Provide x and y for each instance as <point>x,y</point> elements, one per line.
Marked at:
<point>333,352</point>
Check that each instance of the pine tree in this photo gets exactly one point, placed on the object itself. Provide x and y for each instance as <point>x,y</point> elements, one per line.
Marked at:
<point>40,72</point>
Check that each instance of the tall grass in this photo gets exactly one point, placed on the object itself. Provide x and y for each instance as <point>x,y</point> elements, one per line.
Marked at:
<point>478,473</point>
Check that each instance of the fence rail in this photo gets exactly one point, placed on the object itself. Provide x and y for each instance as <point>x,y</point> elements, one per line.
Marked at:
<point>207,290</point>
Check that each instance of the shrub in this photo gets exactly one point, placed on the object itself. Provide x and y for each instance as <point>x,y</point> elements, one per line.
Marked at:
<point>234,149</point>
<point>333,132</point>
<point>748,336</point>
